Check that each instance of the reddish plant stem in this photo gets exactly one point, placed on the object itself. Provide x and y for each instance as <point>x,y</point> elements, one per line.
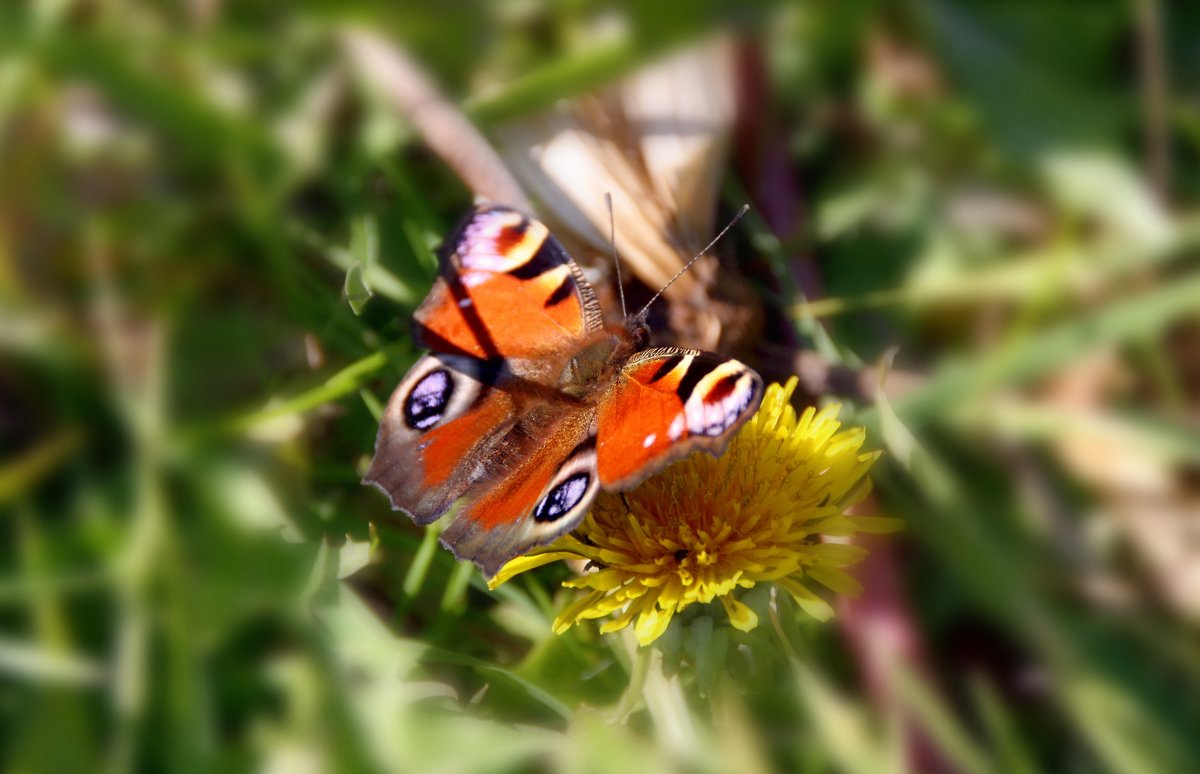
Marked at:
<point>879,625</point>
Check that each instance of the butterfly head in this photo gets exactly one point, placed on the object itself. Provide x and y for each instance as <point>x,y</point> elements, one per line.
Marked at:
<point>638,329</point>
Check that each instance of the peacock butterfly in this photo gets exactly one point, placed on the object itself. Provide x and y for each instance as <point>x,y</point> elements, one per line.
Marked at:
<point>528,404</point>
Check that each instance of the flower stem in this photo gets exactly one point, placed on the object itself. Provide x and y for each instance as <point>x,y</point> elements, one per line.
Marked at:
<point>637,683</point>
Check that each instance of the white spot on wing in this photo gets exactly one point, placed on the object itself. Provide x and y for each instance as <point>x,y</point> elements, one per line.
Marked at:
<point>650,439</point>
<point>465,303</point>
<point>675,432</point>
<point>573,492</point>
<point>432,386</point>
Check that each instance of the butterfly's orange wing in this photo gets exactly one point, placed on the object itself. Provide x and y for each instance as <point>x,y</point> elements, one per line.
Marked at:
<point>666,404</point>
<point>506,289</point>
<point>537,484</point>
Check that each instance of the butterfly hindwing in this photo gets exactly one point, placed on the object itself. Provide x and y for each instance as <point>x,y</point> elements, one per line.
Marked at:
<point>667,403</point>
<point>540,481</point>
<point>506,289</point>
<point>445,413</point>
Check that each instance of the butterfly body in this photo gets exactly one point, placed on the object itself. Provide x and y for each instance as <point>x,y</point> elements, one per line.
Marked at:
<point>529,404</point>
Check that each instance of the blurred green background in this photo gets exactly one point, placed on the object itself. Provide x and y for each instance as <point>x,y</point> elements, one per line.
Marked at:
<point>189,387</point>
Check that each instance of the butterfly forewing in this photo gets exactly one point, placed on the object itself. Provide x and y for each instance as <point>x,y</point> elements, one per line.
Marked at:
<point>506,289</point>
<point>666,404</point>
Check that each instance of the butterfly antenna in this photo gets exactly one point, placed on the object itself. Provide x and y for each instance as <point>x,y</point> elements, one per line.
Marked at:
<point>612,243</point>
<point>745,208</point>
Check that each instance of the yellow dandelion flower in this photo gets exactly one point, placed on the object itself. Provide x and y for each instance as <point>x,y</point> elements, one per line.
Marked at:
<point>707,526</point>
